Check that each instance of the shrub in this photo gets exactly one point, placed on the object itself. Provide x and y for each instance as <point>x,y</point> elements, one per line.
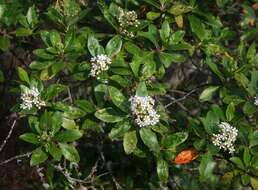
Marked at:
<point>150,94</point>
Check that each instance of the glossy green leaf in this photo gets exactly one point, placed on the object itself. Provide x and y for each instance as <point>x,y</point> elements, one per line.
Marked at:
<point>38,156</point>
<point>149,138</point>
<point>109,115</point>
<point>68,135</point>
<point>69,152</point>
<point>114,46</point>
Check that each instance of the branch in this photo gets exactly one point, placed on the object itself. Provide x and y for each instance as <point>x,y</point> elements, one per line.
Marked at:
<point>8,136</point>
<point>15,158</point>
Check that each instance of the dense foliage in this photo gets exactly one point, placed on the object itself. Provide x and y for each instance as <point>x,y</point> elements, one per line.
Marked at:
<point>134,94</point>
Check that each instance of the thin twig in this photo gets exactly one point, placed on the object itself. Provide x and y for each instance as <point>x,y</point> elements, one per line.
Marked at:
<point>182,98</point>
<point>15,158</point>
<point>8,136</point>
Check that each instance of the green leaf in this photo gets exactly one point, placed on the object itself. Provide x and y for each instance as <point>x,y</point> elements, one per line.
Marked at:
<point>68,135</point>
<point>152,15</point>
<point>141,89</point>
<point>4,43</point>
<point>149,138</point>
<point>214,68</point>
<point>249,108</point>
<point>118,98</point>
<point>179,9</point>
<point>32,16</point>
<point>23,32</point>
<point>238,162</point>
<point>55,151</point>
<point>69,124</point>
<point>85,106</point>
<point>165,31</point>
<point>53,90</point>
<point>56,122</point>
<point>56,40</point>
<point>69,152</point>
<point>94,47</point>
<point>130,142</point>
<point>43,54</point>
<point>197,27</point>
<point>38,156</point>
<point>247,157</point>
<point>135,65</point>
<point>119,130</point>
<point>230,112</point>
<point>174,139</point>
<point>30,137</point>
<point>206,168</point>
<point>23,75</point>
<point>114,46</point>
<point>168,58</point>
<point>109,115</point>
<point>206,95</point>
<point>162,170</point>
<point>38,65</point>
<point>132,48</point>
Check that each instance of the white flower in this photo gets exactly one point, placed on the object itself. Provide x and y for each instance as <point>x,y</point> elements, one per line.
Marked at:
<point>127,18</point>
<point>256,100</point>
<point>226,138</point>
<point>143,110</point>
<point>31,97</point>
<point>99,63</point>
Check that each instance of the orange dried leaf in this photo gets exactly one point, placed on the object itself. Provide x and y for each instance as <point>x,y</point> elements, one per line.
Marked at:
<point>186,156</point>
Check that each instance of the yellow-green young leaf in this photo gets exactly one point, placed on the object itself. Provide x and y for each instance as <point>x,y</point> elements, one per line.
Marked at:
<point>162,170</point>
<point>23,75</point>
<point>152,15</point>
<point>69,124</point>
<point>130,142</point>
<point>230,111</point>
<point>38,156</point>
<point>149,138</point>
<point>254,183</point>
<point>69,152</point>
<point>179,9</point>
<point>207,94</point>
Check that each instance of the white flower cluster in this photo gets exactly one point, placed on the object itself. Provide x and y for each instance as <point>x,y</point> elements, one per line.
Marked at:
<point>256,100</point>
<point>143,109</point>
<point>30,97</point>
<point>127,19</point>
<point>99,63</point>
<point>226,138</point>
